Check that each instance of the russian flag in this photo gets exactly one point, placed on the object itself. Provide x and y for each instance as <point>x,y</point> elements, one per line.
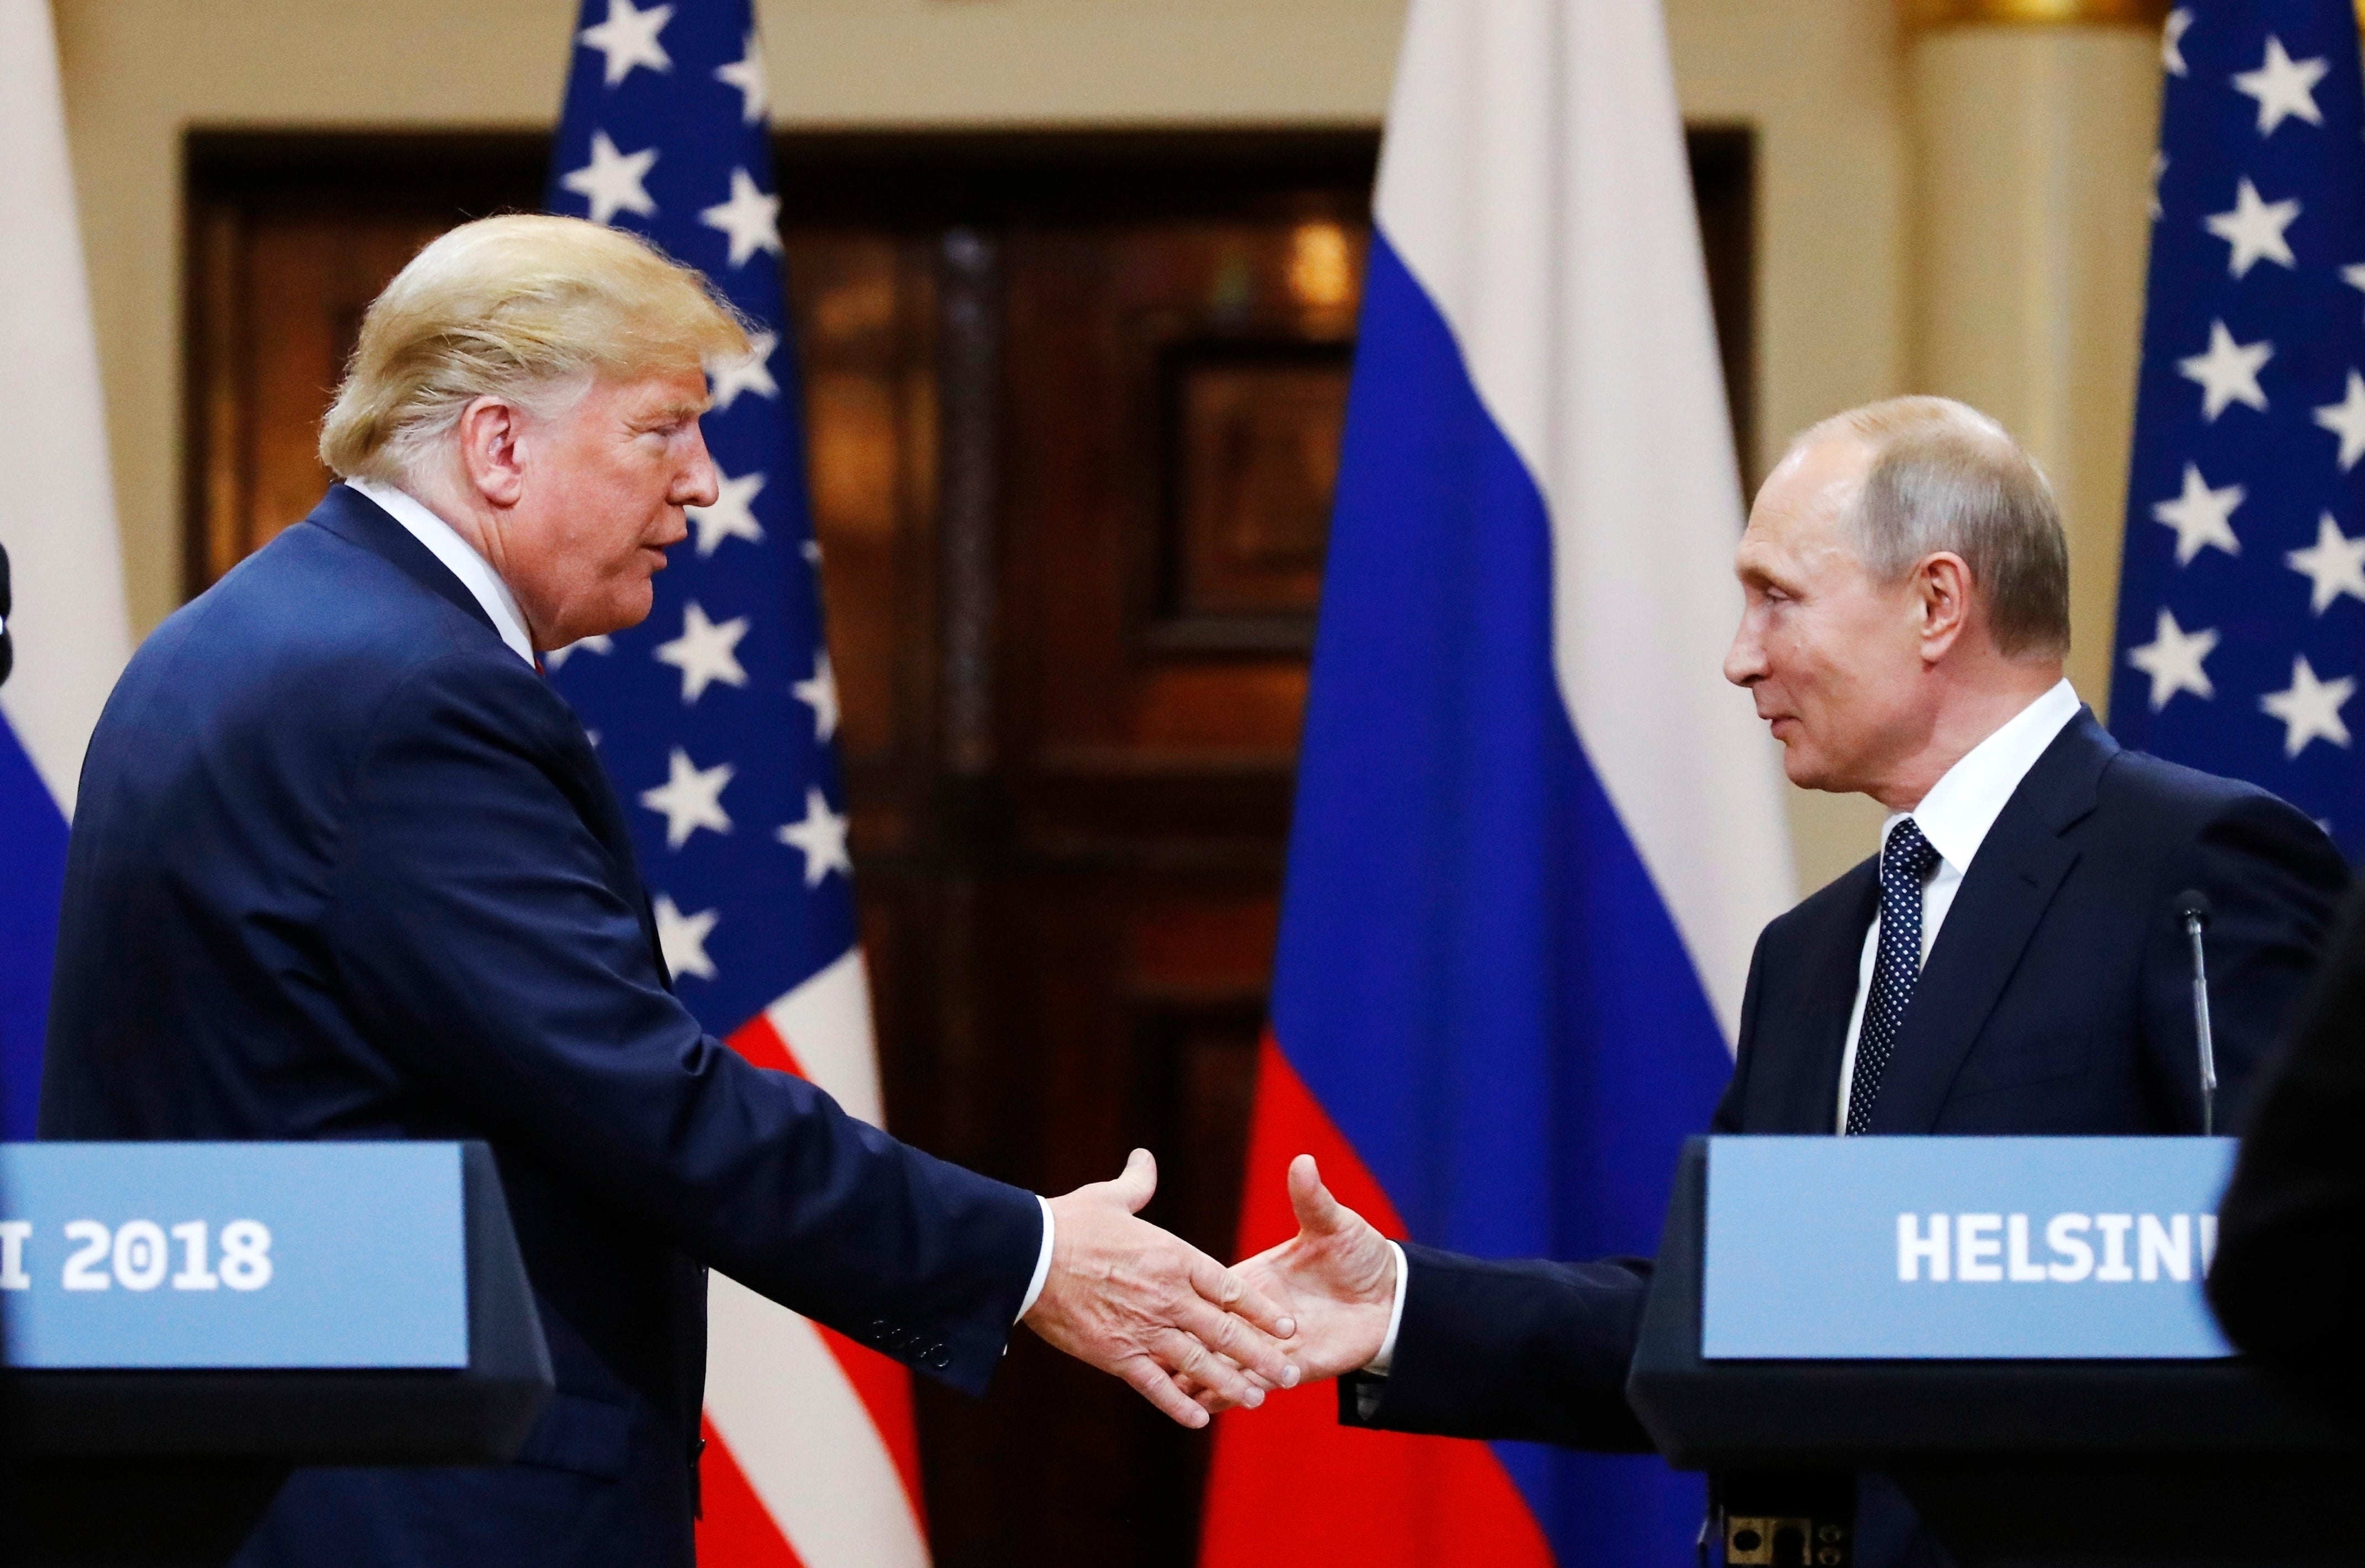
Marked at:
<point>1536,833</point>
<point>56,522</point>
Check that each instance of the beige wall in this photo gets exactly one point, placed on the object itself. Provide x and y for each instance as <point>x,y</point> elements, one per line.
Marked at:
<point>2032,155</point>
<point>1824,80</point>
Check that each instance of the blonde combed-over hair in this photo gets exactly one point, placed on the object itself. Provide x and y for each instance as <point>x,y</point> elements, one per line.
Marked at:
<point>524,307</point>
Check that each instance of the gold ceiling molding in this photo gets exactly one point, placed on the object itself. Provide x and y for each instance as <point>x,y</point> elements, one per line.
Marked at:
<point>2023,13</point>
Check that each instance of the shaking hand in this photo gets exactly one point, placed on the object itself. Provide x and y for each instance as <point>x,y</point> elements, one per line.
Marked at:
<point>1337,1276</point>
<point>1131,1299</point>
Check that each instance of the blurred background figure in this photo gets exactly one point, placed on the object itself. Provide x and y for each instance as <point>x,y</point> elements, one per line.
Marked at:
<point>2286,1281</point>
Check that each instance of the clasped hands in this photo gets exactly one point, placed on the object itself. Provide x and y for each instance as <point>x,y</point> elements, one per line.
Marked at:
<point>1193,1336</point>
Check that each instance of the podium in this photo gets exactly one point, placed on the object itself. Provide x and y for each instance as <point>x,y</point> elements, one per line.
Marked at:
<point>186,1322</point>
<point>2003,1403</point>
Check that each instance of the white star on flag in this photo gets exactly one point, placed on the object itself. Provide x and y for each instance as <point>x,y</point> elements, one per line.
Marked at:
<point>731,516</point>
<point>2284,87</point>
<point>2201,516</point>
<point>750,218</point>
<point>2171,41</point>
<point>822,837</point>
<point>611,181</point>
<point>2354,276</point>
<point>689,799</point>
<point>2228,373</point>
<point>600,642</point>
<point>2172,658</point>
<point>2309,708</point>
<point>820,694</point>
<point>629,37</point>
<point>704,653</point>
<point>682,938</point>
<point>753,374</point>
<point>2345,419</point>
<point>747,73</point>
<point>2333,565</point>
<point>2159,171</point>
<point>2255,229</point>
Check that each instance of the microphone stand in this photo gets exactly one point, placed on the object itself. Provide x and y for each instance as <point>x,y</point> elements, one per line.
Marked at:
<point>2192,906</point>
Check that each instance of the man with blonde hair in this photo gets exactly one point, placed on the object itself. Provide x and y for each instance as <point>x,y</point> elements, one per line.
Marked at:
<point>345,867</point>
<point>2011,961</point>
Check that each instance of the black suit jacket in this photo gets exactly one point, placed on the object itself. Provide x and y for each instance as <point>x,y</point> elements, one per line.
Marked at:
<point>2057,999</point>
<point>345,867</point>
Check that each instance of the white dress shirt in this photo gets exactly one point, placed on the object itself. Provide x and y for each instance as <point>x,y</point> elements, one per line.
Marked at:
<point>1955,817</point>
<point>484,585</point>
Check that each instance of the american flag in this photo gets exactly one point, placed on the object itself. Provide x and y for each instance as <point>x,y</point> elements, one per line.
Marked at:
<point>716,718</point>
<point>2242,603</point>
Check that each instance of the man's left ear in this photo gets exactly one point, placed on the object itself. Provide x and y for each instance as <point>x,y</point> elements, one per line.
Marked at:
<point>1943,582</point>
<point>489,431</point>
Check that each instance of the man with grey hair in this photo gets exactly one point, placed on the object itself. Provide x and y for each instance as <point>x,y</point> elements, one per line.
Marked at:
<point>346,867</point>
<point>2011,961</point>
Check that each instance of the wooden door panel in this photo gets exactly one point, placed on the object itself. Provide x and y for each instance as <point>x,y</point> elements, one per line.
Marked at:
<point>1174,573</point>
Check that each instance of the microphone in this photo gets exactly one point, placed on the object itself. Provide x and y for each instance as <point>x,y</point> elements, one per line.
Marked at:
<point>7,653</point>
<point>2192,909</point>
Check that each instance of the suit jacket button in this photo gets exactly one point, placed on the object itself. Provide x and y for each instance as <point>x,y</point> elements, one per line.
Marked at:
<point>941,1360</point>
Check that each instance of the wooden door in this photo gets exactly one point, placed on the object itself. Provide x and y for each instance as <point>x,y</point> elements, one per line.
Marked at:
<point>1074,406</point>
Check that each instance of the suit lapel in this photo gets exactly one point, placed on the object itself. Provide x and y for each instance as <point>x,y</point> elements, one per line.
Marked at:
<point>2010,883</point>
<point>1806,1098</point>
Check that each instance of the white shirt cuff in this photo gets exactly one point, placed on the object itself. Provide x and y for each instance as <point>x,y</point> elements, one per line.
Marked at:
<point>1378,1365</point>
<point>1043,1267</point>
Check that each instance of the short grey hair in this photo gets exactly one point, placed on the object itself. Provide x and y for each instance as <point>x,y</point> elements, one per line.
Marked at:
<point>1946,477</point>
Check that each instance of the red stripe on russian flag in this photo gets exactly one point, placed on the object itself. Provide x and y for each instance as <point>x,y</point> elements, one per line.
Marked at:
<point>1288,1486</point>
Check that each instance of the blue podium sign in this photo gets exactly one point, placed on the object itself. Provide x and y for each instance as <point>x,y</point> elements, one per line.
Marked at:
<point>233,1255</point>
<point>1878,1249</point>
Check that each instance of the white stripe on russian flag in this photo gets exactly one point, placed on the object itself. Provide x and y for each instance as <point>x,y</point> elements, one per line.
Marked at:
<point>1569,268</point>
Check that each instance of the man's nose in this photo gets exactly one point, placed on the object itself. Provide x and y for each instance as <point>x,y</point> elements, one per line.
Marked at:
<point>1744,661</point>
<point>696,485</point>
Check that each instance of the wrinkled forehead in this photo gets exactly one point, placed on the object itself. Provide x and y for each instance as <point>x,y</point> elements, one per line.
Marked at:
<point>661,395</point>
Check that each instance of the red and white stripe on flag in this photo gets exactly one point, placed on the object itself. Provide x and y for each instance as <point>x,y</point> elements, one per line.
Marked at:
<point>812,1456</point>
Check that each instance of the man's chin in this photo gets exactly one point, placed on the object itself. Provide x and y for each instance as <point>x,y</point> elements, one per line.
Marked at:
<point>1803,769</point>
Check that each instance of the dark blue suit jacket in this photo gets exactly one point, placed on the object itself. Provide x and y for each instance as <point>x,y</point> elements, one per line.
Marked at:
<point>2056,999</point>
<point>345,867</point>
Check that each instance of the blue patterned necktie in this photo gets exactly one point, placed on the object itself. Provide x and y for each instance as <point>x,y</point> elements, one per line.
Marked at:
<point>1905,860</point>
